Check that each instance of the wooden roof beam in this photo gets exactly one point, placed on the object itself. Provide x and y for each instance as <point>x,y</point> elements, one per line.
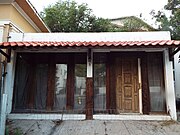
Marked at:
<point>6,54</point>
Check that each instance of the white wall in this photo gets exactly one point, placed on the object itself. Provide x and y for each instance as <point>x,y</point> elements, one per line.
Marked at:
<point>1,33</point>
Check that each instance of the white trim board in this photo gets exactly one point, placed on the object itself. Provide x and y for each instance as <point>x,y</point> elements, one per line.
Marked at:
<point>47,116</point>
<point>14,26</point>
<point>132,117</point>
<point>82,117</point>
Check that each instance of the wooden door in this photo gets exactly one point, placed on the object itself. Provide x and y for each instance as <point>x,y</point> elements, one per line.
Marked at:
<point>126,75</point>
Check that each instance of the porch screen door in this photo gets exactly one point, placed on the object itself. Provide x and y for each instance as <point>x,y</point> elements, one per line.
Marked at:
<point>156,82</point>
<point>80,87</point>
<point>100,96</point>
<point>127,98</point>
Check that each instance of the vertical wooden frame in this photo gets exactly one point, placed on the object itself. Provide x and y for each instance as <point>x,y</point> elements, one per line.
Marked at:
<point>31,87</point>
<point>107,82</point>
<point>51,86</point>
<point>89,98</point>
<point>112,82</point>
<point>70,82</point>
<point>145,84</point>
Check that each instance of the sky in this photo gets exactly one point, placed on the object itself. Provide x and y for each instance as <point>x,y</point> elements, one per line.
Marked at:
<point>114,8</point>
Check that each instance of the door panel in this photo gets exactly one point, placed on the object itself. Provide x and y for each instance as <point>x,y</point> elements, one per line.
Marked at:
<point>127,98</point>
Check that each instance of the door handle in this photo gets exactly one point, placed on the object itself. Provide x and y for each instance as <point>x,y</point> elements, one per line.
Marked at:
<point>79,100</point>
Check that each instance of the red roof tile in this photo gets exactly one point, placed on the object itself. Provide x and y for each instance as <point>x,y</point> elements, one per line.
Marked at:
<point>158,43</point>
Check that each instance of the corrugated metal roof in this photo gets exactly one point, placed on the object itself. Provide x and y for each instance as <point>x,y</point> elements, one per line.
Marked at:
<point>156,43</point>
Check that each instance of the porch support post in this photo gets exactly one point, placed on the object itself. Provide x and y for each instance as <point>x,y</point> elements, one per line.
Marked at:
<point>145,85</point>
<point>177,76</point>
<point>112,82</point>
<point>108,83</point>
<point>9,81</point>
<point>140,87</point>
<point>169,86</point>
<point>89,86</point>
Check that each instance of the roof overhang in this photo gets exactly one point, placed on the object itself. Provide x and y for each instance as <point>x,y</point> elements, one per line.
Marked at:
<point>172,45</point>
<point>91,40</point>
<point>106,41</point>
<point>92,44</point>
<point>6,1</point>
<point>28,8</point>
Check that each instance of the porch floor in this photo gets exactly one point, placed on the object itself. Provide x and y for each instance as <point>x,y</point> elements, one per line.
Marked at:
<point>92,127</point>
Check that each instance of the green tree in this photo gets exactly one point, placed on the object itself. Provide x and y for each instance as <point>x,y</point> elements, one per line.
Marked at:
<point>68,16</point>
<point>132,24</point>
<point>171,23</point>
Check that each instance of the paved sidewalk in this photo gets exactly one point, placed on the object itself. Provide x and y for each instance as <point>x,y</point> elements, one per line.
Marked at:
<point>93,127</point>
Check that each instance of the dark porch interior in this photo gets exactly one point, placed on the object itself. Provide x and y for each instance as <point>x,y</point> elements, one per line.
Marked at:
<point>57,83</point>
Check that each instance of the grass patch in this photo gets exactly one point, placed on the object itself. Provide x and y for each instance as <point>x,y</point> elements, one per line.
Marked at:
<point>168,123</point>
<point>15,131</point>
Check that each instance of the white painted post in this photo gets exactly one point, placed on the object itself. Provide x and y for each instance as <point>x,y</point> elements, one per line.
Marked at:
<point>89,63</point>
<point>177,74</point>
<point>9,81</point>
<point>140,89</point>
<point>169,86</point>
<point>3,114</point>
<point>1,32</point>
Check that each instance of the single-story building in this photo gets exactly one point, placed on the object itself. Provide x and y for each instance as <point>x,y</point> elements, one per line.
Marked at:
<point>126,75</point>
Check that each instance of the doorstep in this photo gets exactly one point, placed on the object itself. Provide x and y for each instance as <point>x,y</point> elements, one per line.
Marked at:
<point>31,116</point>
<point>132,117</point>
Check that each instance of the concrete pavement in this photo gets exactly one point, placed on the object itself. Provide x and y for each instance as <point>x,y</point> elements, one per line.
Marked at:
<point>93,127</point>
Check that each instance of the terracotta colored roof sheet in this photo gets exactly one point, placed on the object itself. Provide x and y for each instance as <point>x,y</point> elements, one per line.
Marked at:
<point>157,43</point>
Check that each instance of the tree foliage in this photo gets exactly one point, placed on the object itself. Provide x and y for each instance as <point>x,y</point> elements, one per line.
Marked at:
<point>68,16</point>
<point>133,24</point>
<point>171,23</point>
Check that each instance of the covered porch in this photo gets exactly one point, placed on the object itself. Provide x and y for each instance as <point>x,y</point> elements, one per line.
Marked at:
<point>91,80</point>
